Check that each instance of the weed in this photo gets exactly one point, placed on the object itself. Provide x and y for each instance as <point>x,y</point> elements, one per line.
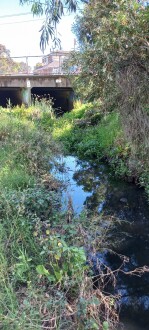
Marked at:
<point>45,281</point>
<point>92,133</point>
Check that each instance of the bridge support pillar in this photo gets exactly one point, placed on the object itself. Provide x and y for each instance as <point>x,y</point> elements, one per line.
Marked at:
<point>26,96</point>
<point>71,99</point>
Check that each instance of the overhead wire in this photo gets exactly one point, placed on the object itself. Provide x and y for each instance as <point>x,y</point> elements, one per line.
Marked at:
<point>30,20</point>
<point>30,13</point>
<point>18,22</point>
<point>27,13</point>
<point>13,15</point>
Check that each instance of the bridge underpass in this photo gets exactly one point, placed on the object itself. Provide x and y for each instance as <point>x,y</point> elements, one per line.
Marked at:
<point>10,95</point>
<point>18,89</point>
<point>62,98</point>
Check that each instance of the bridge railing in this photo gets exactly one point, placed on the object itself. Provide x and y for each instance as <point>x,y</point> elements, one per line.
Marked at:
<point>51,64</point>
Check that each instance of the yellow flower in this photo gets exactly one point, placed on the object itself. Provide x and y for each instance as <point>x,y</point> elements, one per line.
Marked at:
<point>57,257</point>
<point>47,232</point>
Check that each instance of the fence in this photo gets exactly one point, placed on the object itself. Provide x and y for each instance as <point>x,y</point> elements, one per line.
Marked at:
<point>51,64</point>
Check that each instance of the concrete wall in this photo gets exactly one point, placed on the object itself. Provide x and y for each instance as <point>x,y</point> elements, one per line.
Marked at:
<point>18,90</point>
<point>30,81</point>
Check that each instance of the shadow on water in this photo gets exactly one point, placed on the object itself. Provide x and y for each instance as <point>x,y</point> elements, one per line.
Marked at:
<point>91,186</point>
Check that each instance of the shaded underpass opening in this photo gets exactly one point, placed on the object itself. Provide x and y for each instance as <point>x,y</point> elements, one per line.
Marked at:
<point>10,96</point>
<point>62,97</point>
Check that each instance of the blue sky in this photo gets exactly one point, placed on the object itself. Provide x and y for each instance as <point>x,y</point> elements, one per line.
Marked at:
<point>22,38</point>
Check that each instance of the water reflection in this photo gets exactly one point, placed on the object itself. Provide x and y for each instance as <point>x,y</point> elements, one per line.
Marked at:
<point>127,203</point>
<point>92,186</point>
<point>83,182</point>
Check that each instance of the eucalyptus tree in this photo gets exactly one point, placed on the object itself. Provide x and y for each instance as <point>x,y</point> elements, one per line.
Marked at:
<point>7,64</point>
<point>112,63</point>
<point>110,35</point>
<point>53,11</point>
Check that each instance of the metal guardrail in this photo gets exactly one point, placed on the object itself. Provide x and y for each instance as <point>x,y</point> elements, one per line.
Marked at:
<point>51,64</point>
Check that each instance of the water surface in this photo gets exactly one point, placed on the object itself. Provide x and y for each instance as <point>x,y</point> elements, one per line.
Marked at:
<point>92,187</point>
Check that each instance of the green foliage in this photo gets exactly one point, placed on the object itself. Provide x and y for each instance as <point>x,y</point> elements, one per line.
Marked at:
<point>53,10</point>
<point>22,267</point>
<point>43,264</point>
<point>90,132</point>
<point>111,36</point>
<point>36,201</point>
<point>15,178</point>
<point>98,140</point>
<point>88,137</point>
<point>144,179</point>
<point>83,306</point>
<point>44,105</point>
<point>41,113</point>
<point>8,65</point>
<point>112,64</point>
<point>25,150</point>
<point>65,262</point>
<point>105,325</point>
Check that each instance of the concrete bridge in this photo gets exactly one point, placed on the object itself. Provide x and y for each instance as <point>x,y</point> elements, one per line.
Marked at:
<point>20,88</point>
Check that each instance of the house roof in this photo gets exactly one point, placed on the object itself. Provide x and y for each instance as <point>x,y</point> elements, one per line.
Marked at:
<point>54,64</point>
<point>46,67</point>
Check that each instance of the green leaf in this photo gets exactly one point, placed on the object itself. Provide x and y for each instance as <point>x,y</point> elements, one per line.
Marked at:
<point>42,270</point>
<point>105,325</point>
<point>58,275</point>
<point>51,278</point>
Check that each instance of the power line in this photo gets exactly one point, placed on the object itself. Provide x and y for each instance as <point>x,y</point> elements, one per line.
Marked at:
<point>31,20</point>
<point>17,22</point>
<point>14,15</point>
<point>30,13</point>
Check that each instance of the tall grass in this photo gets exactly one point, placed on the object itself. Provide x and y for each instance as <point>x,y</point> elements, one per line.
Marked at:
<point>86,135</point>
<point>45,282</point>
<point>90,132</point>
<point>24,161</point>
<point>44,277</point>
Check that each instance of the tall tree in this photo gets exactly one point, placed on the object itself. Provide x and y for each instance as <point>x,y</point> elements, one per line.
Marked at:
<point>8,65</point>
<point>110,35</point>
<point>5,60</point>
<point>113,64</point>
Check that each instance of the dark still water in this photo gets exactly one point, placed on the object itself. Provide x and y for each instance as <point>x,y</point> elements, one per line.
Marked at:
<point>91,186</point>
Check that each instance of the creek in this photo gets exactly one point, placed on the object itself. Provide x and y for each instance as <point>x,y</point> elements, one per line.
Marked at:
<point>92,187</point>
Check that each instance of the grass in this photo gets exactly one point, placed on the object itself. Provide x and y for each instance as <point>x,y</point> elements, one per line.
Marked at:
<point>25,153</point>
<point>45,282</point>
<point>89,132</point>
<point>77,133</point>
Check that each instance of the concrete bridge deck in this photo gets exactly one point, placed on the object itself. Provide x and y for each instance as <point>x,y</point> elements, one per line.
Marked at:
<point>34,80</point>
<point>19,88</point>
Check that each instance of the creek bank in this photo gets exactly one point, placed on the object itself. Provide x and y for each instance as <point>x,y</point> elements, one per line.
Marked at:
<point>92,188</point>
<point>90,133</point>
<point>47,242</point>
<point>44,278</point>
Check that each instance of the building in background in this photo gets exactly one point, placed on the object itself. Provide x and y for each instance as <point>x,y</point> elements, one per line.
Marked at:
<point>52,63</point>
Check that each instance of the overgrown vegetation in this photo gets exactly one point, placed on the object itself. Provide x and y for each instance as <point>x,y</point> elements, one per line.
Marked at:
<point>87,132</point>
<point>46,278</point>
<point>45,281</point>
<point>90,133</point>
<point>112,66</point>
<point>53,11</point>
